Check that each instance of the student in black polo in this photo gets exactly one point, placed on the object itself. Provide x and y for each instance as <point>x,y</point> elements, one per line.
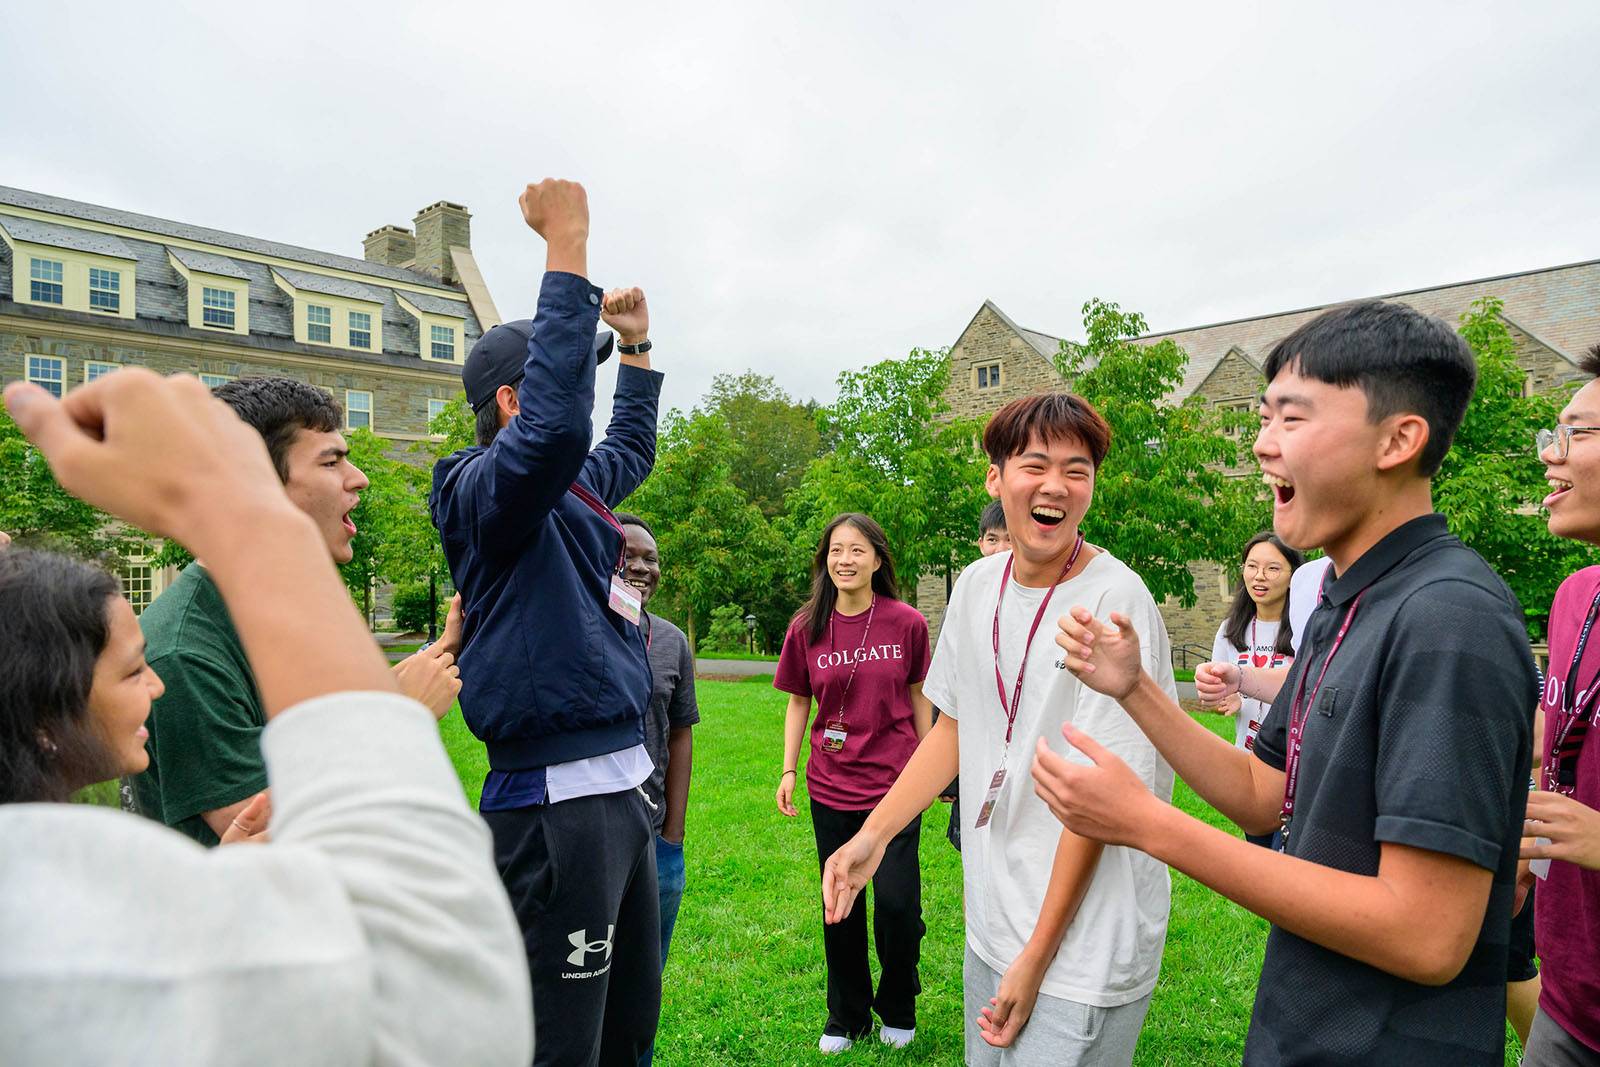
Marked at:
<point>1396,752</point>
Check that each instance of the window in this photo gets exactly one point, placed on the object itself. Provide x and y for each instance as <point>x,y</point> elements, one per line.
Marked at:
<point>435,409</point>
<point>989,376</point>
<point>211,381</point>
<point>95,369</point>
<point>44,281</point>
<point>105,289</point>
<point>444,342</point>
<point>49,372</point>
<point>136,586</point>
<point>357,410</point>
<point>217,308</point>
<point>1246,406</point>
<point>360,329</point>
<point>319,324</point>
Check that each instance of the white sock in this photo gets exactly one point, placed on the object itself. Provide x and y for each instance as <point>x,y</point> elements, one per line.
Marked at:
<point>893,1035</point>
<point>833,1043</point>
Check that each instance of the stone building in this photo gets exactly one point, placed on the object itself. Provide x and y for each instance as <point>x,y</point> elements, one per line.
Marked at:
<point>85,290</point>
<point>1553,314</point>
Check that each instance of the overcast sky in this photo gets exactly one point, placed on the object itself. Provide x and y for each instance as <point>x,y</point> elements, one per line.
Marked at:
<point>808,188</point>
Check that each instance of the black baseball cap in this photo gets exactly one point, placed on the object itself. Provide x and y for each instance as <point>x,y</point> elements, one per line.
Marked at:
<point>500,354</point>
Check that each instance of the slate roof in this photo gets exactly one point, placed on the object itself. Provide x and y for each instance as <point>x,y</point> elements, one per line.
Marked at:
<point>195,259</point>
<point>45,233</point>
<point>434,305</point>
<point>329,286</point>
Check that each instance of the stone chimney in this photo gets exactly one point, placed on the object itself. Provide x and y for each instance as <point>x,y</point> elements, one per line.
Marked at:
<point>393,246</point>
<point>441,227</point>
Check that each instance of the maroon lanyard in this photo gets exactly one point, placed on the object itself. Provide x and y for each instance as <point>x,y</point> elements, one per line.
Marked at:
<point>1010,709</point>
<point>1572,724</point>
<point>599,508</point>
<point>1299,712</point>
<point>872,606</point>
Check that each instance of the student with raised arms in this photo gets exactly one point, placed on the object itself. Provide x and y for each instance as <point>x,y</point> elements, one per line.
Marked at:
<point>861,654</point>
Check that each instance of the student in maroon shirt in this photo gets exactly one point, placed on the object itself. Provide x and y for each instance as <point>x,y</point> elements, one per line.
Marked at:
<point>861,653</point>
<point>1566,809</point>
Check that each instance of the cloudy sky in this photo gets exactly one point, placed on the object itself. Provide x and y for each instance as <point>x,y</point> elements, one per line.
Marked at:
<point>807,188</point>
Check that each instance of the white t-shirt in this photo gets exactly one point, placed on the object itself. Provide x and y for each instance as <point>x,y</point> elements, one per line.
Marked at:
<point>1304,588</point>
<point>1111,953</point>
<point>1261,637</point>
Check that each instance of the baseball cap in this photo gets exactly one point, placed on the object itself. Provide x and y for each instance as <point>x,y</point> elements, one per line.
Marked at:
<point>500,354</point>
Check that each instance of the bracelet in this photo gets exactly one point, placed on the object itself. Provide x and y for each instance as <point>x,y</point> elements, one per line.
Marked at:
<point>795,773</point>
<point>634,350</point>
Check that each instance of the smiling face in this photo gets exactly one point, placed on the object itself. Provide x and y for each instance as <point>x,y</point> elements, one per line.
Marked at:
<point>1266,576</point>
<point>324,484</point>
<point>1573,505</point>
<point>123,690</point>
<point>641,563</point>
<point>1045,491</point>
<point>852,560</point>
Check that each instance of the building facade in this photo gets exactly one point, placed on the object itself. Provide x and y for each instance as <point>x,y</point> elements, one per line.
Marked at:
<point>1553,314</point>
<point>86,290</point>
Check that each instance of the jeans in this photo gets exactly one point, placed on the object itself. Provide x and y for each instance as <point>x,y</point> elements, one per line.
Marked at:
<point>669,881</point>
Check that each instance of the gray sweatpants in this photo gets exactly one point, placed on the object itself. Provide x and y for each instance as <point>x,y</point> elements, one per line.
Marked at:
<point>1059,1033</point>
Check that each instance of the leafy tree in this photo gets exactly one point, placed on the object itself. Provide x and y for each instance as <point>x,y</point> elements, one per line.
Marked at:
<point>1492,481</point>
<point>728,633</point>
<point>774,438</point>
<point>716,546</point>
<point>1163,496</point>
<point>36,511</point>
<point>894,453</point>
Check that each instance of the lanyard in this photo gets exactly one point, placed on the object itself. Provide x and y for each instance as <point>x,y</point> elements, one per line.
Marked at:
<point>1299,712</point>
<point>865,634</point>
<point>598,507</point>
<point>1561,764</point>
<point>1010,709</point>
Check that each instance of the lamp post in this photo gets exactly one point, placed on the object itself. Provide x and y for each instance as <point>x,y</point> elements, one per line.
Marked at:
<point>750,628</point>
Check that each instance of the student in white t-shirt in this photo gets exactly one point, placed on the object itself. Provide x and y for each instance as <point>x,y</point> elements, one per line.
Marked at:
<point>1220,680</point>
<point>1255,633</point>
<point>1064,937</point>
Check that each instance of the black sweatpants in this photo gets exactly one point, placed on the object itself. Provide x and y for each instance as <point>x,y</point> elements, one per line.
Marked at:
<point>897,931</point>
<point>581,875</point>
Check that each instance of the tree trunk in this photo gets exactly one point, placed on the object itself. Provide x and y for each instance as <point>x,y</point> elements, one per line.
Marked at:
<point>690,631</point>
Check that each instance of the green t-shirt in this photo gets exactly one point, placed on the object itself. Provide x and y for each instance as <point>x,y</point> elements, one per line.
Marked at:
<point>205,731</point>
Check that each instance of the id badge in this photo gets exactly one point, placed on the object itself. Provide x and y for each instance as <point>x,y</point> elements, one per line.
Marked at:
<point>1540,868</point>
<point>991,799</point>
<point>833,736</point>
<point>625,600</point>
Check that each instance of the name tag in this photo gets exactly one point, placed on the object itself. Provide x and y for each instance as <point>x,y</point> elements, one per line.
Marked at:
<point>833,739</point>
<point>625,600</point>
<point>991,799</point>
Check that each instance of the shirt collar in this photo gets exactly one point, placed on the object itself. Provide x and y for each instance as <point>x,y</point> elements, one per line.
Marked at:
<point>1382,558</point>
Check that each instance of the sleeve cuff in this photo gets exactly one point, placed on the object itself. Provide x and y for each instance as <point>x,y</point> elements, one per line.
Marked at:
<point>1438,837</point>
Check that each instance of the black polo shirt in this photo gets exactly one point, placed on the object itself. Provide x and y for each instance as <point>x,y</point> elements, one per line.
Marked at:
<point>1420,735</point>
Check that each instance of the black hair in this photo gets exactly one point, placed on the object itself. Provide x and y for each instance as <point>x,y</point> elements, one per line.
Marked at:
<point>54,626</point>
<point>993,518</point>
<point>1403,360</point>
<point>486,423</point>
<point>626,519</point>
<point>279,408</point>
<point>1243,608</point>
<point>814,614</point>
<point>1589,362</point>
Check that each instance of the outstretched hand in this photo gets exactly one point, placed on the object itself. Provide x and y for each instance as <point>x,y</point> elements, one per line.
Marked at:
<point>1103,657</point>
<point>1105,802</point>
<point>846,873</point>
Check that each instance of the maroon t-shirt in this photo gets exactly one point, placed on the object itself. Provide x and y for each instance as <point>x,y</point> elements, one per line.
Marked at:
<point>880,732</point>
<point>1567,905</point>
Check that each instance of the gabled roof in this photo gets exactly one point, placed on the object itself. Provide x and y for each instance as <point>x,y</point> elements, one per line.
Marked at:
<point>45,233</point>
<point>322,283</point>
<point>76,209</point>
<point>435,305</point>
<point>207,263</point>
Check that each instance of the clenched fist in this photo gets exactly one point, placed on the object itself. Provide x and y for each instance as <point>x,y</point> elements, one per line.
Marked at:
<point>625,311</point>
<point>557,210</point>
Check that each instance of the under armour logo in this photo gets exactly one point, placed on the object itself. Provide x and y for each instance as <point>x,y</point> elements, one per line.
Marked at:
<point>582,946</point>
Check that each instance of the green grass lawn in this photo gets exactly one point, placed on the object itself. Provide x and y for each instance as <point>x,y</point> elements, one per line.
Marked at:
<point>745,981</point>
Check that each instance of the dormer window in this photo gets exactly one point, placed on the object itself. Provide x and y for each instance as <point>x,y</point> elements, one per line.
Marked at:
<point>444,342</point>
<point>360,329</point>
<point>319,324</point>
<point>217,307</point>
<point>44,281</point>
<point>105,289</point>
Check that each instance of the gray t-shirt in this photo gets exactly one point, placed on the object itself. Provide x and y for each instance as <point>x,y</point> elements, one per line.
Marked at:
<point>672,703</point>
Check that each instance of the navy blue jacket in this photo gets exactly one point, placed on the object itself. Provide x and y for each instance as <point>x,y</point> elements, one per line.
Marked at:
<point>549,673</point>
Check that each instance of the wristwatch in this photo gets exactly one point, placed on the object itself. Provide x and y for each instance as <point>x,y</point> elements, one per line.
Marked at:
<point>634,350</point>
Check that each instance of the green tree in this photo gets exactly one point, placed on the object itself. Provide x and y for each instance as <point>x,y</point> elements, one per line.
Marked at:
<point>727,633</point>
<point>894,452</point>
<point>36,511</point>
<point>1491,482</point>
<point>716,546</point>
<point>774,438</point>
<point>1164,495</point>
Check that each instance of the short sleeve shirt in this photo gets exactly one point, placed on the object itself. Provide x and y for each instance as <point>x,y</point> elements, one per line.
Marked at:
<point>672,703</point>
<point>1419,735</point>
<point>205,730</point>
<point>875,708</point>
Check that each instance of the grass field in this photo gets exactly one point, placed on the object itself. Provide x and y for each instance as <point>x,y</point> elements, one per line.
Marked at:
<point>745,981</point>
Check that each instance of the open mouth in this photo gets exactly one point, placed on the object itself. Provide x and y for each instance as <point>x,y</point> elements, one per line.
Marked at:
<point>1559,487</point>
<point>1048,517</point>
<point>349,526</point>
<point>1282,488</point>
<point>638,583</point>
<point>1259,590</point>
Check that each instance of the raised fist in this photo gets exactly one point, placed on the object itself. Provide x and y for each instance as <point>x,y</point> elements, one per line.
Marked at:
<point>557,210</point>
<point>624,311</point>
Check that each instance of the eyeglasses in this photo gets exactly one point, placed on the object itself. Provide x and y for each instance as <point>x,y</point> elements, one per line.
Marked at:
<point>1561,437</point>
<point>1271,570</point>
